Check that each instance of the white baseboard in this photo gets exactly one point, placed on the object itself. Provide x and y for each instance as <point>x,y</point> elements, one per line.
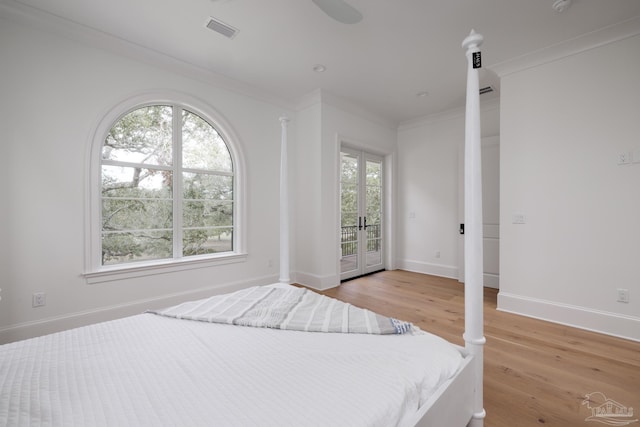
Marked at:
<point>441,270</point>
<point>50,325</point>
<point>319,283</point>
<point>491,280</point>
<point>614,324</point>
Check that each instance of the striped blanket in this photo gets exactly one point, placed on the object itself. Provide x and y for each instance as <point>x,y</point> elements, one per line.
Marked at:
<point>286,307</point>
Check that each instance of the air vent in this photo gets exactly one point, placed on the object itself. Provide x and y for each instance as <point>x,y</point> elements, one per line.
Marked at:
<point>222,28</point>
<point>486,89</point>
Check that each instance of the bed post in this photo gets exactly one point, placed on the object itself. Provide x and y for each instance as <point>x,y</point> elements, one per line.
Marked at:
<point>284,206</point>
<point>473,258</point>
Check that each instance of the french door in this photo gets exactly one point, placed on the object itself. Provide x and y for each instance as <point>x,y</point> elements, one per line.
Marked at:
<point>361,213</point>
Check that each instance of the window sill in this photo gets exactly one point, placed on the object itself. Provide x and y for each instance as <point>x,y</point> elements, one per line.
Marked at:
<point>120,272</point>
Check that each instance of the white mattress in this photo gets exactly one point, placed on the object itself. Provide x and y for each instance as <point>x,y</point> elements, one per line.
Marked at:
<point>149,370</point>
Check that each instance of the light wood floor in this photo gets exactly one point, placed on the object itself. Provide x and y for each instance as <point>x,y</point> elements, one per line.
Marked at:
<point>536,372</point>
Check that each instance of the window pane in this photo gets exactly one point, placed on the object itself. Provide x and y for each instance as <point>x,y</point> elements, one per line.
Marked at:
<point>200,186</point>
<point>374,254</point>
<point>136,214</point>
<point>207,241</point>
<point>373,238</point>
<point>349,198</point>
<point>374,173</point>
<point>349,172</point>
<point>123,247</point>
<point>348,219</point>
<point>373,218</point>
<point>373,204</point>
<point>348,256</point>
<point>202,146</point>
<point>143,136</point>
<point>349,239</point>
<point>207,214</point>
<point>120,181</point>
<point>136,203</point>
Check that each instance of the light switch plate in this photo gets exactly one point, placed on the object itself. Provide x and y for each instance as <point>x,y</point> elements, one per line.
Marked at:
<point>518,218</point>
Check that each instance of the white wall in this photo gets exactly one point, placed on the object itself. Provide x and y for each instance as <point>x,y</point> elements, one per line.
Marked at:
<point>305,197</point>
<point>5,155</point>
<point>54,91</point>
<point>317,198</point>
<point>429,159</point>
<point>563,124</point>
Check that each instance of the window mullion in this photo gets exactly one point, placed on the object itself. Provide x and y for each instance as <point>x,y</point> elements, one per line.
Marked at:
<point>207,171</point>
<point>177,182</point>
<point>136,165</point>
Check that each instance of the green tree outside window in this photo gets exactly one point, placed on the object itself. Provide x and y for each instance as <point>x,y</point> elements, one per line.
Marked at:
<point>167,187</point>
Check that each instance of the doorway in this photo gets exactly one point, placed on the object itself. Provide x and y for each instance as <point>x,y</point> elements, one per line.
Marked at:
<point>490,211</point>
<point>361,213</point>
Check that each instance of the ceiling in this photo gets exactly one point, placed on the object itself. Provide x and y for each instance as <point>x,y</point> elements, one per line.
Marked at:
<point>400,48</point>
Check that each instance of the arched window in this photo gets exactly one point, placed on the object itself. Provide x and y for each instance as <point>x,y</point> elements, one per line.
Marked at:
<point>167,189</point>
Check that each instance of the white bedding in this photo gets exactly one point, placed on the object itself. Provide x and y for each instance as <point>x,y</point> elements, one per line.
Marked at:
<point>149,370</point>
<point>286,307</point>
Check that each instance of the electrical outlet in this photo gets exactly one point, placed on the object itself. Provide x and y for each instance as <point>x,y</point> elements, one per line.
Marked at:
<point>437,254</point>
<point>39,299</point>
<point>624,158</point>
<point>623,295</point>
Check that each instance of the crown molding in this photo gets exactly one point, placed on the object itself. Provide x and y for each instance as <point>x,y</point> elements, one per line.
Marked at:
<point>454,113</point>
<point>27,15</point>
<point>594,39</point>
<point>322,96</point>
<point>310,99</point>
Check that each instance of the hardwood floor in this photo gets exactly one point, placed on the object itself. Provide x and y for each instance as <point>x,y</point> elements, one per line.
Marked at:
<point>536,372</point>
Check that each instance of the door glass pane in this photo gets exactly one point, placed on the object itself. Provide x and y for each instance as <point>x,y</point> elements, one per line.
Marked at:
<point>374,173</point>
<point>349,169</point>
<point>348,212</point>
<point>373,195</point>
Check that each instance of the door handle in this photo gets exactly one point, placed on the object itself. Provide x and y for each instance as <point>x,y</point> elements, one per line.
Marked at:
<point>360,223</point>
<point>365,222</point>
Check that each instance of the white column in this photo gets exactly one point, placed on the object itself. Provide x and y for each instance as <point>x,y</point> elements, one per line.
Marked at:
<point>473,258</point>
<point>284,206</point>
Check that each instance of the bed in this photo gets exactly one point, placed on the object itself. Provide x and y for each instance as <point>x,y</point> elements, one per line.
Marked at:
<point>322,363</point>
<point>158,369</point>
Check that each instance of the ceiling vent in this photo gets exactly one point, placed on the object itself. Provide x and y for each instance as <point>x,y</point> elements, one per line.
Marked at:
<point>222,28</point>
<point>486,89</point>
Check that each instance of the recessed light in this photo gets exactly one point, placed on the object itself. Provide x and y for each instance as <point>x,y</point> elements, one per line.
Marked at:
<point>319,68</point>
<point>422,94</point>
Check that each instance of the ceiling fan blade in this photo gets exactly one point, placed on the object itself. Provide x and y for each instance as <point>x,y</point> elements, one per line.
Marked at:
<point>339,10</point>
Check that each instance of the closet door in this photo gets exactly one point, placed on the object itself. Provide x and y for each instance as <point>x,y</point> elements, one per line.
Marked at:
<point>361,219</point>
